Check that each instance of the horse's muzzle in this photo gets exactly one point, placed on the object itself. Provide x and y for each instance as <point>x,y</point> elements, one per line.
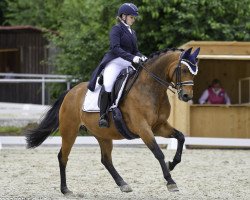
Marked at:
<point>183,96</point>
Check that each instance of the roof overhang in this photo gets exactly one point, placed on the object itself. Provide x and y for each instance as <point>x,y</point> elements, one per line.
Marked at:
<point>222,50</point>
<point>20,28</point>
<point>224,57</point>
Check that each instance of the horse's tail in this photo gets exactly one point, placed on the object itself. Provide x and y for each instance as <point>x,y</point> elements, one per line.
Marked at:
<point>48,125</point>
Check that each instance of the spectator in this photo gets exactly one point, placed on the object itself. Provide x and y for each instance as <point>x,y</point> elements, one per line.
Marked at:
<point>215,94</point>
<point>9,73</point>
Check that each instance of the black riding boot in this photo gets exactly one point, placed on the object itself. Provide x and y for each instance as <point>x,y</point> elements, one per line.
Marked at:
<point>104,109</point>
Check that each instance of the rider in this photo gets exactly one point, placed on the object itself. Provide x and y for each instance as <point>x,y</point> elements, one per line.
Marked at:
<point>123,50</point>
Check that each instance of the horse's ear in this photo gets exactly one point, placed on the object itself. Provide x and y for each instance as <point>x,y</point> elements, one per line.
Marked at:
<point>187,53</point>
<point>196,53</point>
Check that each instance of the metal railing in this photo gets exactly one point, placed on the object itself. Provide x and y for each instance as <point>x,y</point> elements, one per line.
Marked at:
<point>36,78</point>
<point>240,89</point>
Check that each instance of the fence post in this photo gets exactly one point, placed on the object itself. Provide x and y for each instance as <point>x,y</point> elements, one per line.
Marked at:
<point>43,90</point>
<point>68,85</point>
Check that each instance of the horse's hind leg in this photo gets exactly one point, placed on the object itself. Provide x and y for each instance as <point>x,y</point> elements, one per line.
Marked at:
<point>106,149</point>
<point>168,131</point>
<point>69,134</point>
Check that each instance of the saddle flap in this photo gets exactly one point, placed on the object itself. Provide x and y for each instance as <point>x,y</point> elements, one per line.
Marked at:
<point>119,88</point>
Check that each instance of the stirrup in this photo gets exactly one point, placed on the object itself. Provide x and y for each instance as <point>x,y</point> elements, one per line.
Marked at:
<point>103,122</point>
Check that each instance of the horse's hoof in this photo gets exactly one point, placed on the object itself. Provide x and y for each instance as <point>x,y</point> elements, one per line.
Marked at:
<point>67,192</point>
<point>172,188</point>
<point>126,188</point>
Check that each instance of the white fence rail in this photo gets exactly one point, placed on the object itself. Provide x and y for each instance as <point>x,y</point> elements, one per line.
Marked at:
<point>170,142</point>
<point>36,78</point>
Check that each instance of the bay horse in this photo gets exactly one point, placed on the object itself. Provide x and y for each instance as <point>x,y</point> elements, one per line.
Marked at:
<point>145,109</point>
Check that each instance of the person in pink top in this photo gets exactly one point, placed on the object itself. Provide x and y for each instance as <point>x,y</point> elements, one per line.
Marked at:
<point>215,94</point>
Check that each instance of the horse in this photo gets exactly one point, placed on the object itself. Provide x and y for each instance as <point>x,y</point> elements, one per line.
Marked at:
<point>145,109</point>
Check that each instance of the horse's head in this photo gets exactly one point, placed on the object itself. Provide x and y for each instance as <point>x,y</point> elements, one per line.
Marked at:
<point>182,73</point>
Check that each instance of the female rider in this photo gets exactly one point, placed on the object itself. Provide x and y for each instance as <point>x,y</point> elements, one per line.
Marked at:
<point>123,50</point>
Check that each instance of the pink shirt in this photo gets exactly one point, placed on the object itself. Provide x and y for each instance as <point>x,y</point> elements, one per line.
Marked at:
<point>212,97</point>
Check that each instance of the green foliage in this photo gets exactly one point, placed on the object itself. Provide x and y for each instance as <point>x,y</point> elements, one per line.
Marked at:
<point>82,26</point>
<point>3,6</point>
<point>175,22</point>
<point>40,13</point>
<point>83,36</point>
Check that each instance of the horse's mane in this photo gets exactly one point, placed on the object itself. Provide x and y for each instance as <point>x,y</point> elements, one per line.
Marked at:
<point>153,56</point>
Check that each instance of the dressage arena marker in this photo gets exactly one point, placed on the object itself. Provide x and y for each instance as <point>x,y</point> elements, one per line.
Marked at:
<point>170,142</point>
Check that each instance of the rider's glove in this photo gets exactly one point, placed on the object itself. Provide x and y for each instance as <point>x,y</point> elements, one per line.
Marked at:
<point>136,59</point>
<point>143,58</point>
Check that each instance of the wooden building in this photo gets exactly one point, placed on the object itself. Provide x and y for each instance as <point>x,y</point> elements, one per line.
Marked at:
<point>230,63</point>
<point>22,50</point>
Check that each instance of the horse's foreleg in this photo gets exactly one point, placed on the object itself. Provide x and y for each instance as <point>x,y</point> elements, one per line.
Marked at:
<point>149,140</point>
<point>165,130</point>
<point>177,158</point>
<point>68,134</point>
<point>106,159</point>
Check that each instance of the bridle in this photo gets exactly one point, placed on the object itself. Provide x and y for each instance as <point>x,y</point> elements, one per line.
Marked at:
<point>177,71</point>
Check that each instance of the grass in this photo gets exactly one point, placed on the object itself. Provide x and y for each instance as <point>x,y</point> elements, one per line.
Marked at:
<point>10,130</point>
<point>15,131</point>
<point>19,131</point>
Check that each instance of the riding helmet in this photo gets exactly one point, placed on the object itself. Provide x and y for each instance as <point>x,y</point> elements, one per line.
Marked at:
<point>128,9</point>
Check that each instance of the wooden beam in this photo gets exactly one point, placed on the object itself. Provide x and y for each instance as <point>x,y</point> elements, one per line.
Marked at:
<point>8,50</point>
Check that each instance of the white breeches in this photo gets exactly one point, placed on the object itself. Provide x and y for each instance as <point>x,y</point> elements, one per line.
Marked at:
<point>112,70</point>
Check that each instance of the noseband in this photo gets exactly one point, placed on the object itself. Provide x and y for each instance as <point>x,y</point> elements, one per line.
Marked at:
<point>177,71</point>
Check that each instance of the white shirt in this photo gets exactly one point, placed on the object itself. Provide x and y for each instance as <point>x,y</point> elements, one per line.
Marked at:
<point>127,27</point>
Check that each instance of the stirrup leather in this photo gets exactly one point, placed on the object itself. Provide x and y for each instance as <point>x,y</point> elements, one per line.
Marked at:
<point>103,121</point>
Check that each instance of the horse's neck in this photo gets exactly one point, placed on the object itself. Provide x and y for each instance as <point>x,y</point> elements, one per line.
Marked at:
<point>149,88</point>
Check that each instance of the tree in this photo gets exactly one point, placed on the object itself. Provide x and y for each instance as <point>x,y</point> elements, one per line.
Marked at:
<point>83,35</point>
<point>39,13</point>
<point>174,22</point>
<point>83,25</point>
<point>3,6</point>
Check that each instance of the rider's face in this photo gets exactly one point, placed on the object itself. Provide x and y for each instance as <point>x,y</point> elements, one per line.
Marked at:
<point>130,19</point>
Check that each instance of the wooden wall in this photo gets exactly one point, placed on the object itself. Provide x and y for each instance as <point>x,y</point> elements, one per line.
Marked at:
<point>31,46</point>
<point>23,51</point>
<point>228,71</point>
<point>180,114</point>
<point>220,121</point>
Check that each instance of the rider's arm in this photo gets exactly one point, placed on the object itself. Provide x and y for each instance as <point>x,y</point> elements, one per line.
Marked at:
<point>204,97</point>
<point>115,39</point>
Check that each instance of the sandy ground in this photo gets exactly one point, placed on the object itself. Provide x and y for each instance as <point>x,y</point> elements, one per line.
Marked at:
<point>203,174</point>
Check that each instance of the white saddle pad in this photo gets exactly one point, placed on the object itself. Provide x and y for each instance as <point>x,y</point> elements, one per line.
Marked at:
<point>90,103</point>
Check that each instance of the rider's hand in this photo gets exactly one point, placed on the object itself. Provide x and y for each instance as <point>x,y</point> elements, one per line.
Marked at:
<point>144,58</point>
<point>136,59</point>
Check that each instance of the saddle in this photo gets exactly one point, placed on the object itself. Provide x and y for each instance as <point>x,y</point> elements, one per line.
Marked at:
<point>122,86</point>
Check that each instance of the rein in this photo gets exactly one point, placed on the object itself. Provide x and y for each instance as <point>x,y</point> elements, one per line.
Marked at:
<point>159,80</point>
<point>166,84</point>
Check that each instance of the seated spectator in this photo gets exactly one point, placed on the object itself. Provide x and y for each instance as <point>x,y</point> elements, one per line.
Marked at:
<point>215,94</point>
